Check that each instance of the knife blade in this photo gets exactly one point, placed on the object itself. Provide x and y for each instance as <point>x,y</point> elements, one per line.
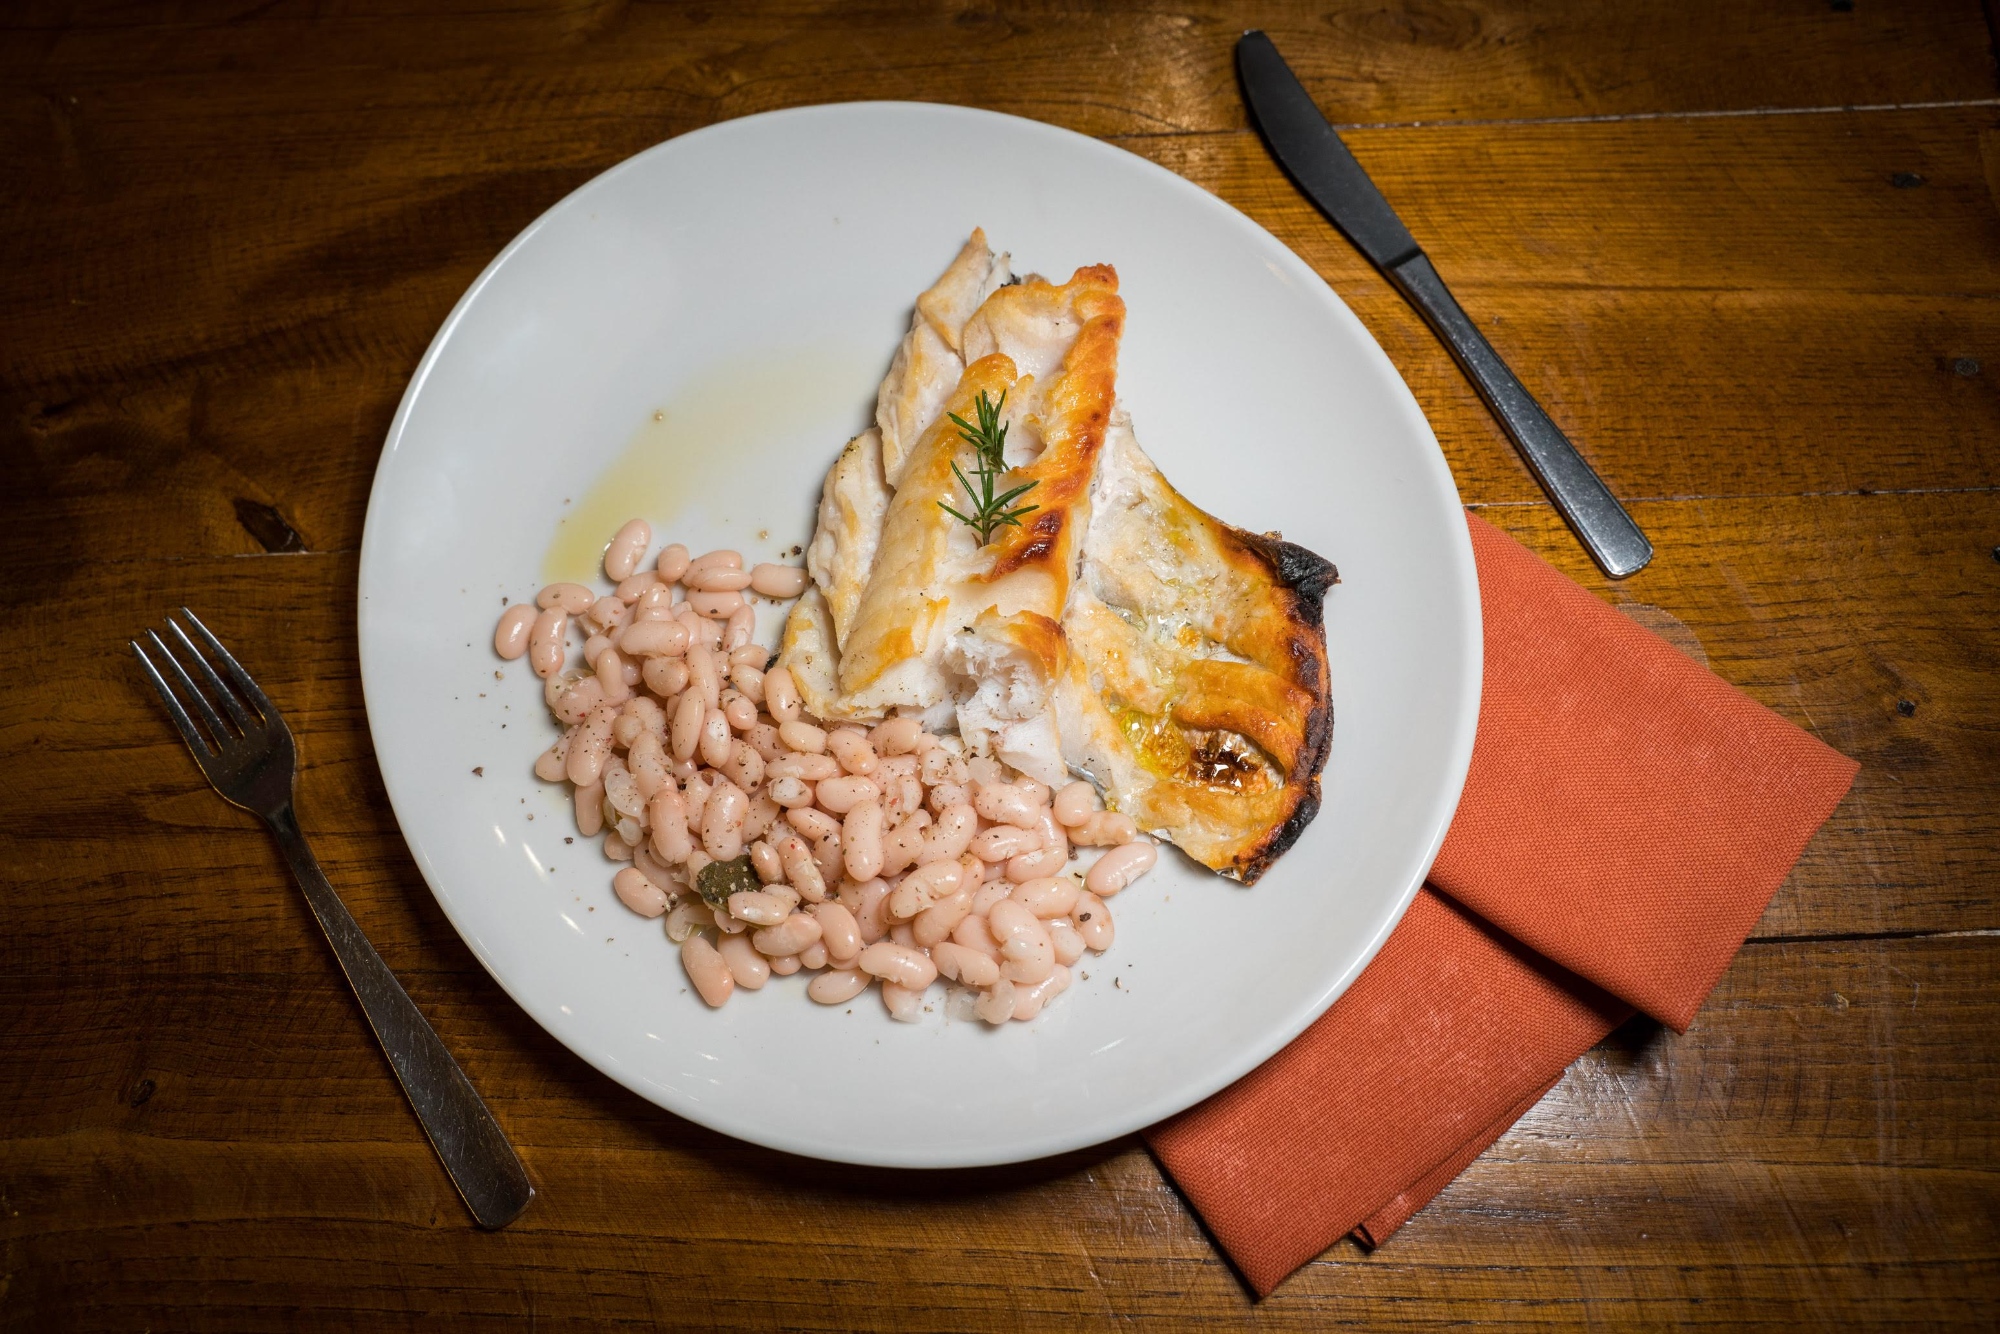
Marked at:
<point>1312,153</point>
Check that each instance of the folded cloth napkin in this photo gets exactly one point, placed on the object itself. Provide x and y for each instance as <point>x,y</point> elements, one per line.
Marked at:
<point>1626,818</point>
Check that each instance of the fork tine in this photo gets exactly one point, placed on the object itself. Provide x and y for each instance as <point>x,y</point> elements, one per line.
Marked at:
<point>242,679</point>
<point>220,692</point>
<point>222,735</point>
<point>196,745</point>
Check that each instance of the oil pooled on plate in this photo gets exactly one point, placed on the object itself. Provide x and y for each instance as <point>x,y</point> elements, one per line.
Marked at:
<point>763,428</point>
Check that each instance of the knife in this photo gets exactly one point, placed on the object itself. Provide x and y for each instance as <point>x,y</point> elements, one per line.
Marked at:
<point>1316,159</point>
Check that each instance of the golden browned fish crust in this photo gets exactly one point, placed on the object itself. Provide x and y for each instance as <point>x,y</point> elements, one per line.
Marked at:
<point>1198,697</point>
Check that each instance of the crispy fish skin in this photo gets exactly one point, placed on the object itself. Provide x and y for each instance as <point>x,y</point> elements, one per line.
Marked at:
<point>1197,693</point>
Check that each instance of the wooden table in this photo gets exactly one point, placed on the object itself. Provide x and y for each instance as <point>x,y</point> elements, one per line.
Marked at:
<point>1748,253</point>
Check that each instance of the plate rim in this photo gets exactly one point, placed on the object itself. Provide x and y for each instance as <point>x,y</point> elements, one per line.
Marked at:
<point>1144,1114</point>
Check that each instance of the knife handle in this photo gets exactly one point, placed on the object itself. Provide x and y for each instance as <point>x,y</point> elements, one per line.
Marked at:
<point>1600,522</point>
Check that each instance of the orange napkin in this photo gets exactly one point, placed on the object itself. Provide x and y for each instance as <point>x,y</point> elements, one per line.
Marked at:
<point>1627,817</point>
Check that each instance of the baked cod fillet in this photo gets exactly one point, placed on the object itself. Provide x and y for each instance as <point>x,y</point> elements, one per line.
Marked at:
<point>1195,695</point>
<point>1117,632</point>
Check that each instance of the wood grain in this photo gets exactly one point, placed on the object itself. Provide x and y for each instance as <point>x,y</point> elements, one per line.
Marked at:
<point>268,371</point>
<point>1640,1180</point>
<point>1772,323</point>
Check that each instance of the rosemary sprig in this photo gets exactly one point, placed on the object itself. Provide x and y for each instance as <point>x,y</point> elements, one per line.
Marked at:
<point>989,444</point>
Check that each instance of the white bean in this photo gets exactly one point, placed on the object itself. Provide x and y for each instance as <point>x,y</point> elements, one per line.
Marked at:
<point>933,881</point>
<point>1029,1000</point>
<point>1047,897</point>
<point>800,736</point>
<point>553,763</point>
<point>763,738</point>
<point>759,907</point>
<point>589,804</point>
<point>707,970</point>
<point>813,956</point>
<point>838,796</point>
<point>861,839</point>
<point>592,746</point>
<point>716,579</point>
<point>577,702</point>
<point>654,639</point>
<point>895,736</point>
<point>900,847</point>
<point>611,677</point>
<point>815,825</point>
<point>974,934</point>
<point>740,713</point>
<point>1120,867</point>
<point>1026,952</point>
<point>608,613</point>
<point>715,739</point>
<point>781,696</point>
<point>722,821</point>
<point>744,767</point>
<point>1005,803</point>
<point>667,813</point>
<point>788,937</point>
<point>946,840</point>
<point>826,856</point>
<point>687,918</point>
<point>985,896</point>
<point>715,606</point>
<point>900,964</point>
<point>996,1004</point>
<point>703,676</point>
<point>1106,829</point>
<point>801,871</point>
<point>749,680</point>
<point>791,793</point>
<point>634,590</point>
<point>765,861</point>
<point>665,677</point>
<point>621,557</point>
<point>905,1004</point>
<point>745,964</point>
<point>784,965</point>
<point>812,768</point>
<point>1069,945</point>
<point>963,965</point>
<point>850,747</point>
<point>777,581</point>
<point>740,628</point>
<point>1093,921</point>
<point>1003,841</point>
<point>869,902</point>
<point>647,760</point>
<point>638,893</point>
<point>837,986</point>
<point>673,563</point>
<point>1075,803</point>
<point>1035,865</point>
<point>545,642</point>
<point>510,636</point>
<point>839,932</point>
<point>722,558</point>
<point>572,598</point>
<point>941,918</point>
<point>685,737</point>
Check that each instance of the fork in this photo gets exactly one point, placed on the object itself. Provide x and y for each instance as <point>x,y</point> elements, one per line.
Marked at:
<point>251,762</point>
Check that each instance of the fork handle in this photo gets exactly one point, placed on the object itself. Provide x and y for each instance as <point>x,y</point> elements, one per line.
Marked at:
<point>475,1150</point>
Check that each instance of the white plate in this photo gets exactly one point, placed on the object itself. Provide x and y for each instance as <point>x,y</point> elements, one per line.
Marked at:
<point>748,283</point>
